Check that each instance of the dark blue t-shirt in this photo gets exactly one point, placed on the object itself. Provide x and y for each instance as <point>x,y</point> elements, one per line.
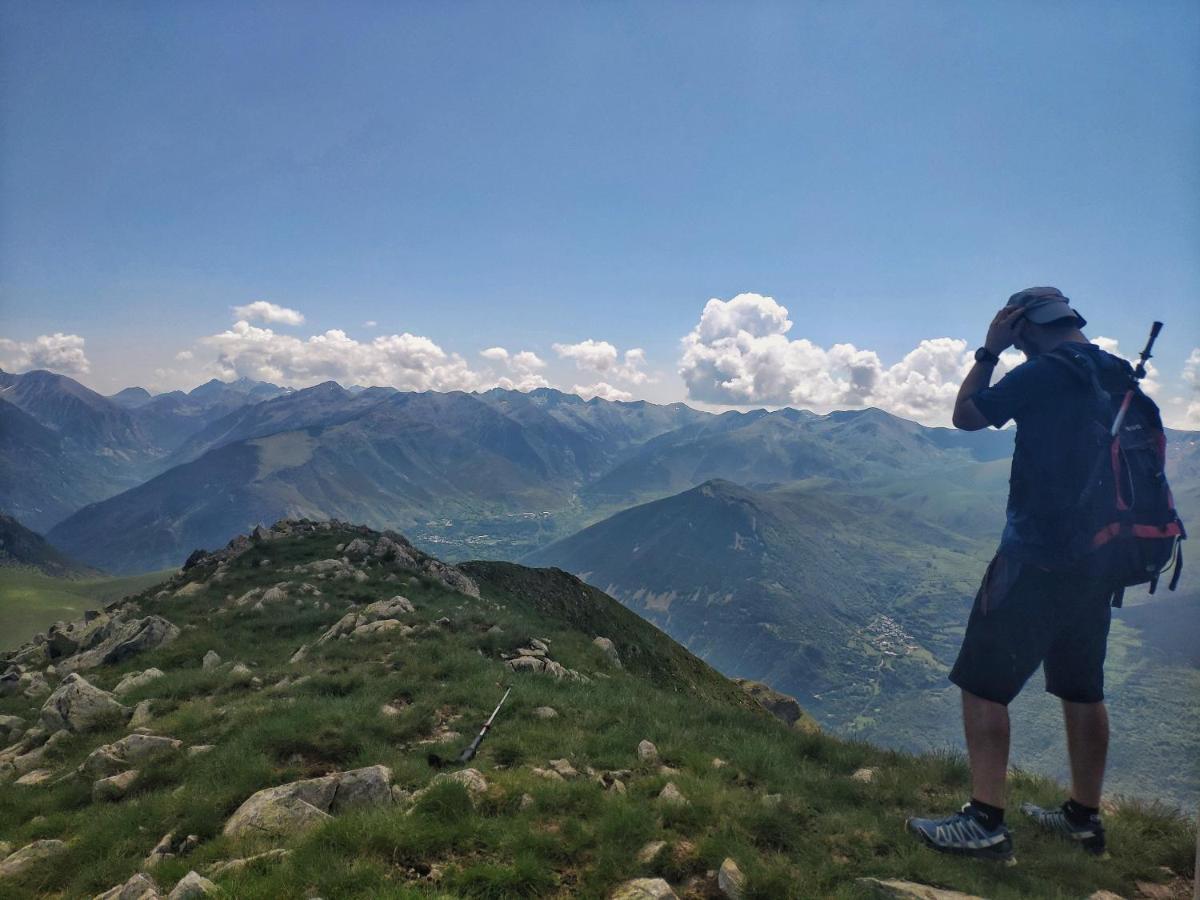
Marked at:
<point>1051,409</point>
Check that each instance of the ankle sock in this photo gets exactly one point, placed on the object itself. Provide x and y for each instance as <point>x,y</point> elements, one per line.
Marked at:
<point>1078,814</point>
<point>992,817</point>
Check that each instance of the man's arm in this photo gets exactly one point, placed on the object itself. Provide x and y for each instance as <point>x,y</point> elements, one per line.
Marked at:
<point>967,416</point>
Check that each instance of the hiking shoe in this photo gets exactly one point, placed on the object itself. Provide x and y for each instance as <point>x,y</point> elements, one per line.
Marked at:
<point>1089,836</point>
<point>964,834</point>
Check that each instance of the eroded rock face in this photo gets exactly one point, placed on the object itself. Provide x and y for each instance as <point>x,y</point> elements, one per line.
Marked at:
<point>78,706</point>
<point>783,706</point>
<point>126,639</point>
<point>300,805</point>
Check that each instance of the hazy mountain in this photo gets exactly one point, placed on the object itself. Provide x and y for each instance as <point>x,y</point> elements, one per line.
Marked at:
<point>24,548</point>
<point>131,397</point>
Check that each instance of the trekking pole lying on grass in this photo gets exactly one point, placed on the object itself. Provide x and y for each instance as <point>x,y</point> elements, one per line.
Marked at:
<point>469,751</point>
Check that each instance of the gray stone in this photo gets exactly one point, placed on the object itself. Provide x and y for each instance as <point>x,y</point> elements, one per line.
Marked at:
<point>127,639</point>
<point>672,795</point>
<point>730,880</point>
<point>231,866</point>
<point>114,787</point>
<point>29,856</point>
<point>133,681</point>
<point>211,660</point>
<point>300,805</point>
<point>78,706</point>
<point>129,750</point>
<point>192,886</point>
<point>143,714</point>
<point>644,889</point>
<point>545,712</point>
<point>907,890</point>
<point>650,851</point>
<point>139,887</point>
<point>647,752</point>
<point>610,650</point>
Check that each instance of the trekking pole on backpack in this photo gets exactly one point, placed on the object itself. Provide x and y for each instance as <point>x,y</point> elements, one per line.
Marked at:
<point>1139,373</point>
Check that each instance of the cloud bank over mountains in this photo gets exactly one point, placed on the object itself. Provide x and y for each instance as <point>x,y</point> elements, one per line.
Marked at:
<point>741,352</point>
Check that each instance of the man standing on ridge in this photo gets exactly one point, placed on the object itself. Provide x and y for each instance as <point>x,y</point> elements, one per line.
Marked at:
<point>1029,611</point>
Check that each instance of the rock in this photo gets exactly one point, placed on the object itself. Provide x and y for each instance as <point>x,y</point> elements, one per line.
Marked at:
<point>11,728</point>
<point>274,594</point>
<point>36,777</point>
<point>5,849</point>
<point>237,865</point>
<point>129,750</point>
<point>650,851</point>
<point>28,856</point>
<point>211,660</point>
<point>198,749</point>
<point>133,681</point>
<point>672,795</point>
<point>143,714</point>
<point>1104,895</point>
<point>241,673</point>
<point>563,768</point>
<point>35,685</point>
<point>647,752</point>
<point>864,775</point>
<point>357,549</point>
<point>730,880</point>
<point>378,611</point>
<point>383,626</point>
<point>527,801</point>
<point>644,889</point>
<point>300,805</point>
<point>719,763</point>
<point>667,770</point>
<point>495,629</point>
<point>192,886</point>
<point>127,639</point>
<point>772,800</point>
<point>299,655</point>
<point>548,774</point>
<point>77,706</point>
<point>191,589</point>
<point>908,890</point>
<point>783,706</point>
<point>472,778</point>
<point>164,849</point>
<point>139,887</point>
<point>545,712</point>
<point>610,650</point>
<point>540,644</point>
<point>114,787</point>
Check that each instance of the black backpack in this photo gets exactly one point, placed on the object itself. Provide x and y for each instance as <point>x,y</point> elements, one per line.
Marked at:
<point>1126,528</point>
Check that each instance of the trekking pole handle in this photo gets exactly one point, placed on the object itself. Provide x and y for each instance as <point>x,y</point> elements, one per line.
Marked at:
<point>1144,356</point>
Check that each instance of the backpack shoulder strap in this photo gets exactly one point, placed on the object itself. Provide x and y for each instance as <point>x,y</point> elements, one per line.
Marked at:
<point>1082,370</point>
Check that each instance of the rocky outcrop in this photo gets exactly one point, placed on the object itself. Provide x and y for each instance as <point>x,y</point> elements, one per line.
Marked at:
<point>609,649</point>
<point>125,639</point>
<point>79,707</point>
<point>382,615</point>
<point>135,680</point>
<point>535,657</point>
<point>301,805</point>
<point>782,706</point>
<point>139,887</point>
<point>231,866</point>
<point>114,787</point>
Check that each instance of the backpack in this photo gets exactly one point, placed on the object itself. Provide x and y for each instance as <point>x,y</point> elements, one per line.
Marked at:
<point>1125,528</point>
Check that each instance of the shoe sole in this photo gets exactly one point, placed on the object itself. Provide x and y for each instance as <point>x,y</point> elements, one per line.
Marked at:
<point>988,853</point>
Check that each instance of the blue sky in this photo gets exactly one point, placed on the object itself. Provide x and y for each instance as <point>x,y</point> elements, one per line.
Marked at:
<point>523,175</point>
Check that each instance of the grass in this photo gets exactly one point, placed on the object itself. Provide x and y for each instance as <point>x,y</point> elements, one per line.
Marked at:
<point>574,839</point>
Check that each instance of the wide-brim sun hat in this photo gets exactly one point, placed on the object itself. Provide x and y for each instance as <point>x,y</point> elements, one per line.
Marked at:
<point>1045,304</point>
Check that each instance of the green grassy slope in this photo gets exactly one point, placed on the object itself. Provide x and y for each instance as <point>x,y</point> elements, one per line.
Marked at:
<point>570,838</point>
<point>31,601</point>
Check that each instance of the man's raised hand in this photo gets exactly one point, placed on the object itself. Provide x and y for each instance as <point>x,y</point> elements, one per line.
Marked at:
<point>1002,331</point>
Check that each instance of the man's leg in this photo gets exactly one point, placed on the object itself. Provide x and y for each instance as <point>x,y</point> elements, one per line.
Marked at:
<point>987,731</point>
<point>1087,745</point>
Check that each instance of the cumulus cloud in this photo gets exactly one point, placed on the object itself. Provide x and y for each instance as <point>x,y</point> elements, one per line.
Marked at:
<point>184,355</point>
<point>522,369</point>
<point>265,311</point>
<point>57,352</point>
<point>405,361</point>
<point>1150,384</point>
<point>739,354</point>
<point>603,357</point>
<point>601,389</point>
<point>1191,382</point>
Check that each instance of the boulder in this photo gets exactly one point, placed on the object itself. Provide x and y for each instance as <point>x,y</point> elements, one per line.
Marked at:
<point>563,768</point>
<point>231,866</point>
<point>864,775</point>
<point>545,712</point>
<point>379,611</point>
<point>114,787</point>
<point>139,887</point>
<point>644,889</point>
<point>123,754</point>
<point>782,706</point>
<point>650,851</point>
<point>78,706</point>
<point>672,795</point>
<point>907,890</point>
<point>36,777</point>
<point>300,805</point>
<point>135,680</point>
<point>610,650</point>
<point>126,639</point>
<point>143,714</point>
<point>191,589</point>
<point>211,660</point>
<point>29,856</point>
<point>647,752</point>
<point>730,880</point>
<point>193,886</point>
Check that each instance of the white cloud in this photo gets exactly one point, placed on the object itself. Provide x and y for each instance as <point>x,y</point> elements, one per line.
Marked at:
<point>1191,381</point>
<point>1150,384</point>
<point>601,389</point>
<point>523,369</point>
<point>603,357</point>
<point>184,355</point>
<point>404,361</point>
<point>265,311</point>
<point>57,352</point>
<point>739,354</point>
<point>370,323</point>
